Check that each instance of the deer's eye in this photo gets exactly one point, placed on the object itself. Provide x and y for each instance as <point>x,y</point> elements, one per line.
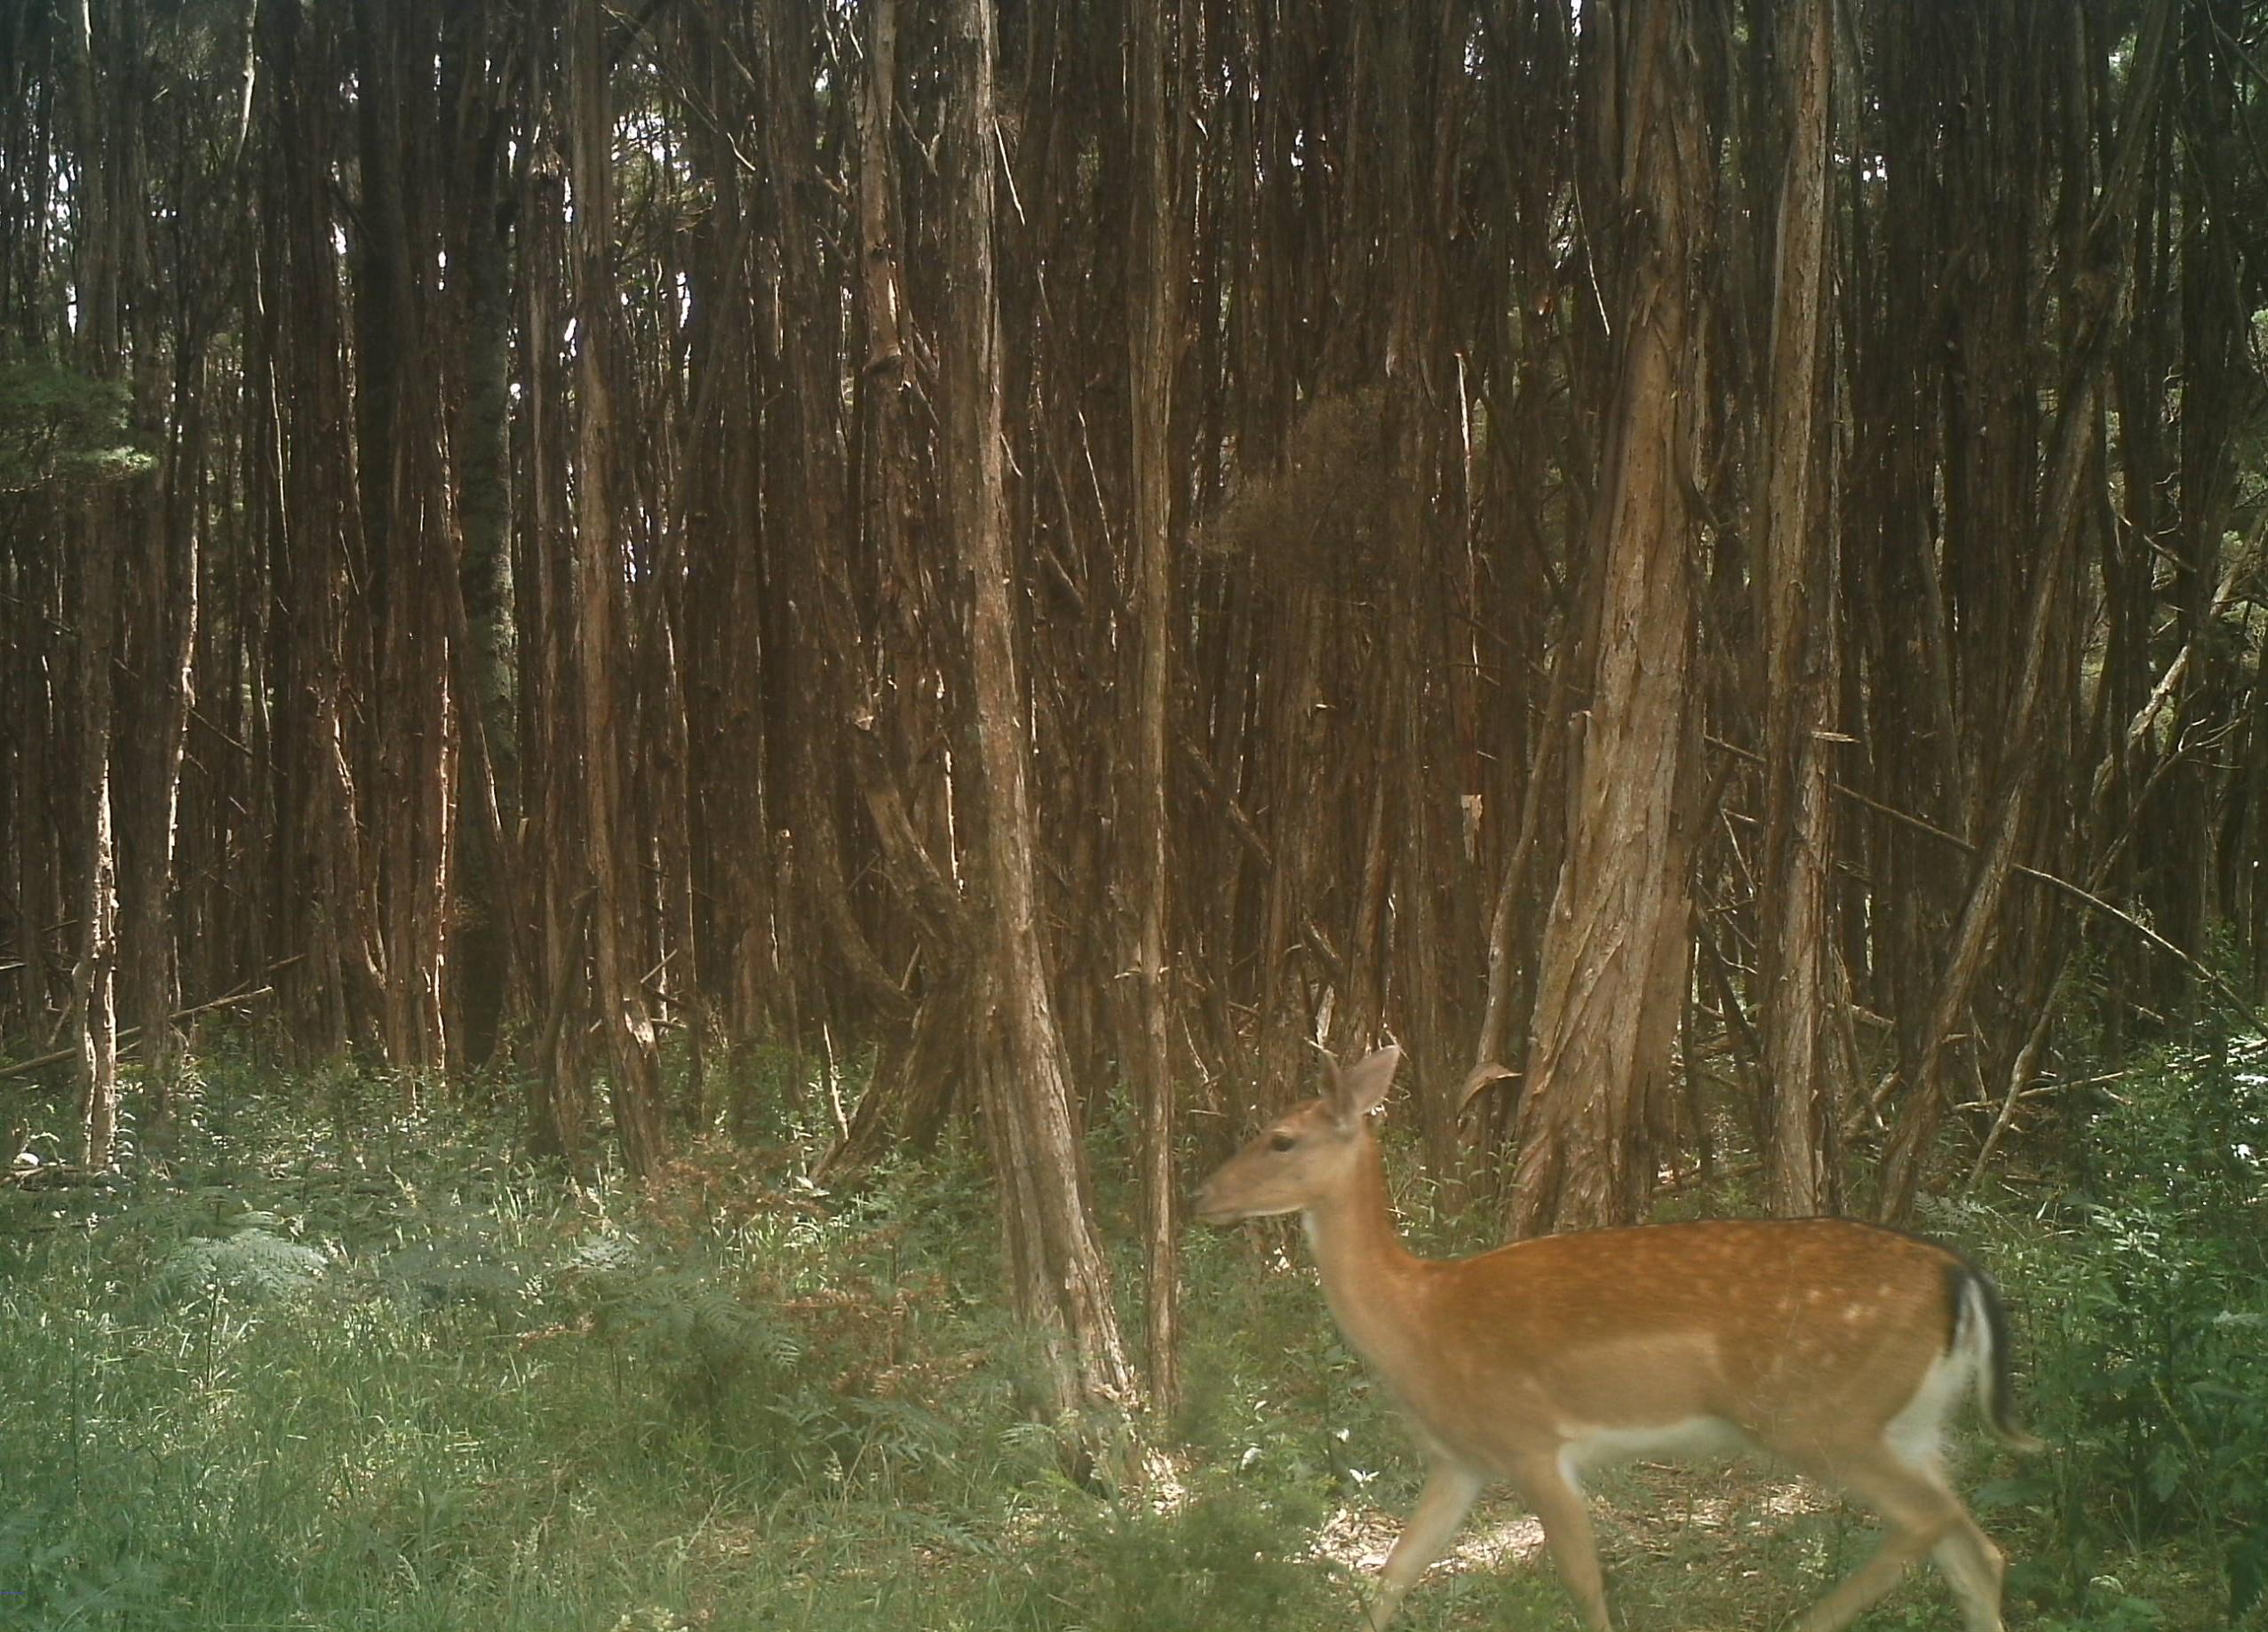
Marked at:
<point>1281,1141</point>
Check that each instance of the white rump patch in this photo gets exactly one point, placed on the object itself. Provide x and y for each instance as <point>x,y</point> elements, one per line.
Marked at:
<point>1917,1434</point>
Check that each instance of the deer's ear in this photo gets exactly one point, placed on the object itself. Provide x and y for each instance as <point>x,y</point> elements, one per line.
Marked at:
<point>1360,1088</point>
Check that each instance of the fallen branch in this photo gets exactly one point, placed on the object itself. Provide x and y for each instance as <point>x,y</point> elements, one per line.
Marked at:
<point>129,1035</point>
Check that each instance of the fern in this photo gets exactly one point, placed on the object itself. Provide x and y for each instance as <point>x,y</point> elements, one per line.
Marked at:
<point>251,1264</point>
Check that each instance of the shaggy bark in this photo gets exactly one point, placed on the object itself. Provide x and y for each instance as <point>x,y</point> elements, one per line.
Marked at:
<point>1615,946</point>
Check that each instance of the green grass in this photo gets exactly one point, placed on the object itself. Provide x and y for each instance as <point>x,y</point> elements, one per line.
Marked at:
<point>322,1367</point>
<point>331,1368</point>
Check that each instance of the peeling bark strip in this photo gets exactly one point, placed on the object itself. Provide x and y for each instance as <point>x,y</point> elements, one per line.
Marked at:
<point>1617,942</point>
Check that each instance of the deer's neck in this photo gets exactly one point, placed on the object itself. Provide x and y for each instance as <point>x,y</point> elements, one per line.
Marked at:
<point>1369,1277</point>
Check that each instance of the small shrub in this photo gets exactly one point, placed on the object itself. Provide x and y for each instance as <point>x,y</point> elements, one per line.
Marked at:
<point>1224,1559</point>
<point>2153,1321</point>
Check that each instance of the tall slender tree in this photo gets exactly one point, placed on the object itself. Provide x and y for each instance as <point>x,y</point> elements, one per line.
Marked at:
<point>1059,1279</point>
<point>600,660</point>
<point>1802,688</point>
<point>1155,332</point>
<point>107,166</point>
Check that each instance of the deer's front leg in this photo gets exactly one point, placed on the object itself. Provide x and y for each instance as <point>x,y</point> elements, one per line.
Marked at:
<point>1450,1493</point>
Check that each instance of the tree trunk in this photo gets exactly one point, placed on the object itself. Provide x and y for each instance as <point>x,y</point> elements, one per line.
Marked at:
<point>1059,1277</point>
<point>635,1079</point>
<point>1802,656</point>
<point>1616,945</point>
<point>1154,334</point>
<point>551,737</point>
<point>492,959</point>
<point>98,534</point>
<point>163,617</point>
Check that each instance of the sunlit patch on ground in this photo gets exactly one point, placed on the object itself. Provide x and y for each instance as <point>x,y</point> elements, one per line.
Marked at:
<point>1653,1508</point>
<point>1499,1535</point>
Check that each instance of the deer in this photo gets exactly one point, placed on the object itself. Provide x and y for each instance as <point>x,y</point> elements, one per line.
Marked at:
<point>1837,1346</point>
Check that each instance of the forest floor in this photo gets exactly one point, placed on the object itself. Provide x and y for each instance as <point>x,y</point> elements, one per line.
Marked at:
<point>318,1364</point>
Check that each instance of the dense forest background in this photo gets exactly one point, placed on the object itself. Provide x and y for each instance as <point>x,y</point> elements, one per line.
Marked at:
<point>1698,562</point>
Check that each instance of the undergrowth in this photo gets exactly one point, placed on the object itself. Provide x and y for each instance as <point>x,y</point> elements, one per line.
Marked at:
<point>330,1364</point>
<point>2146,1276</point>
<point>325,1363</point>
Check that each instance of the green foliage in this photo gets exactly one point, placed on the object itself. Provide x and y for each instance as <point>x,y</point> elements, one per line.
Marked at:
<point>59,428</point>
<point>1226,1558</point>
<point>764,1091</point>
<point>2153,1313</point>
<point>2117,1613</point>
<point>249,1263</point>
<point>341,1366</point>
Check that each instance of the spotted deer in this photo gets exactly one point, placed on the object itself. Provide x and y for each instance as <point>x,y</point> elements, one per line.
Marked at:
<point>1839,1348</point>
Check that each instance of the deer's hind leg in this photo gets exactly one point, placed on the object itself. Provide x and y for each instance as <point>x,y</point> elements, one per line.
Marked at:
<point>1548,1489</point>
<point>1921,1516</point>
